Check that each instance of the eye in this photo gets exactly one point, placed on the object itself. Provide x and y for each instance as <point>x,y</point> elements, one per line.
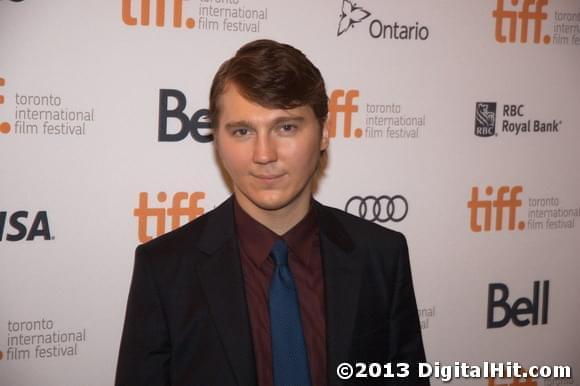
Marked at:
<point>240,132</point>
<point>288,128</point>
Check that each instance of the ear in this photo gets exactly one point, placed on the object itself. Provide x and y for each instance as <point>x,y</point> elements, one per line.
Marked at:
<point>324,136</point>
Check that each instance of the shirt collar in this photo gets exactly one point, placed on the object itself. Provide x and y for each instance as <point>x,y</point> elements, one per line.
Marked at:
<point>257,240</point>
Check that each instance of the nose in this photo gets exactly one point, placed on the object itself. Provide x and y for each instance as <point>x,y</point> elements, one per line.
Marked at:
<point>265,149</point>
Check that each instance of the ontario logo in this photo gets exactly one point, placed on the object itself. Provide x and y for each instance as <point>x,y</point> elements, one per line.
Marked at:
<point>352,14</point>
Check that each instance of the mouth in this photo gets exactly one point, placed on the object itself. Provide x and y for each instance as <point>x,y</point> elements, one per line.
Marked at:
<point>268,177</point>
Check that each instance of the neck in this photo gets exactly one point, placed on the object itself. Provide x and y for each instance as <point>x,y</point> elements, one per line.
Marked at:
<point>280,220</point>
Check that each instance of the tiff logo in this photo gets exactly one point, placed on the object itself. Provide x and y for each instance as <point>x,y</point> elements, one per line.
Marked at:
<point>160,214</point>
<point>530,10</point>
<point>515,381</point>
<point>145,13</point>
<point>477,206</point>
<point>4,126</point>
<point>347,108</point>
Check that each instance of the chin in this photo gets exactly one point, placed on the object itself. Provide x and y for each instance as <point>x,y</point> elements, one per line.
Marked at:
<point>270,203</point>
<point>270,199</point>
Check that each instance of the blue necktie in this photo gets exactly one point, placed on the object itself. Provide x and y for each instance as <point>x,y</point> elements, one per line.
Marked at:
<point>289,358</point>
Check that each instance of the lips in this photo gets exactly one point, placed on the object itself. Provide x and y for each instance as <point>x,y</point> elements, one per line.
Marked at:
<point>267,177</point>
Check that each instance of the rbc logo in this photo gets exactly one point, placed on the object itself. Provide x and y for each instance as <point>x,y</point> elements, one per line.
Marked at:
<point>519,308</point>
<point>18,221</point>
<point>187,125</point>
<point>513,110</point>
<point>485,114</point>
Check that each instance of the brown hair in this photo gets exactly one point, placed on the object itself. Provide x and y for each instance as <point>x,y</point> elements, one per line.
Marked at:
<point>272,74</point>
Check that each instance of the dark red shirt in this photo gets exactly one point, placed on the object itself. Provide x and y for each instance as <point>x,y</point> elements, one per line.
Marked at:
<point>305,262</point>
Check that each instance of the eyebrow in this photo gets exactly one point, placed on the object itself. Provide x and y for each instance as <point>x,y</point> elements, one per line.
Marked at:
<point>274,122</point>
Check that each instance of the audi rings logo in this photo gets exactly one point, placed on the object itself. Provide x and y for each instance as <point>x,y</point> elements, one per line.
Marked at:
<point>382,209</point>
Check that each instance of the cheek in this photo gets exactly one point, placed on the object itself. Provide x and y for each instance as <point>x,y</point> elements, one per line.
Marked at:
<point>306,152</point>
<point>233,156</point>
<point>223,154</point>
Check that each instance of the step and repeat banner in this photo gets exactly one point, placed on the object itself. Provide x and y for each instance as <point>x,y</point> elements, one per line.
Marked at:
<point>454,122</point>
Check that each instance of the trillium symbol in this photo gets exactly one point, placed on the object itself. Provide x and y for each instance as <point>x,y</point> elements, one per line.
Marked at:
<point>351,14</point>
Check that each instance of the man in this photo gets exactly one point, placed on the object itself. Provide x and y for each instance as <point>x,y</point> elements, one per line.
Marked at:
<point>271,287</point>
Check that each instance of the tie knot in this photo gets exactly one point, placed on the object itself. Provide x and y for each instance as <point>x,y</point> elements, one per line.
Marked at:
<point>280,253</point>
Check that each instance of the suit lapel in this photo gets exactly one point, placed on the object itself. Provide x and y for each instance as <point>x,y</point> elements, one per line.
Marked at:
<point>342,272</point>
<point>222,280</point>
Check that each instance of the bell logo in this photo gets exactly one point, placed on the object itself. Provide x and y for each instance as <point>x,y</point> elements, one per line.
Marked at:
<point>4,126</point>
<point>145,13</point>
<point>520,20</point>
<point>188,125</point>
<point>347,108</point>
<point>477,205</point>
<point>18,220</point>
<point>160,214</point>
<point>521,307</point>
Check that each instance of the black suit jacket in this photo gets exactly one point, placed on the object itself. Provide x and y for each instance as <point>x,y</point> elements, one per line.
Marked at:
<point>187,320</point>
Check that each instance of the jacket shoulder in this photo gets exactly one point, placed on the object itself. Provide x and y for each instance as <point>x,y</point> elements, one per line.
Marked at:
<point>186,234</point>
<point>361,230</point>
<point>190,237</point>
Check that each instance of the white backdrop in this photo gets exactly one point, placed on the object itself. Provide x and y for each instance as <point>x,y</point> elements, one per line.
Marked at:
<point>79,145</point>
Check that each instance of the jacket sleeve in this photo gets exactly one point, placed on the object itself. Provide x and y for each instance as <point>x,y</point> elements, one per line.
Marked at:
<point>144,355</point>
<point>405,332</point>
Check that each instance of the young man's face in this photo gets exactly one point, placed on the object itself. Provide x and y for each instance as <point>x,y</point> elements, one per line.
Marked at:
<point>270,154</point>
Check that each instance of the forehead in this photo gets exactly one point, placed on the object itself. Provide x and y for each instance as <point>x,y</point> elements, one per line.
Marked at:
<point>234,106</point>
